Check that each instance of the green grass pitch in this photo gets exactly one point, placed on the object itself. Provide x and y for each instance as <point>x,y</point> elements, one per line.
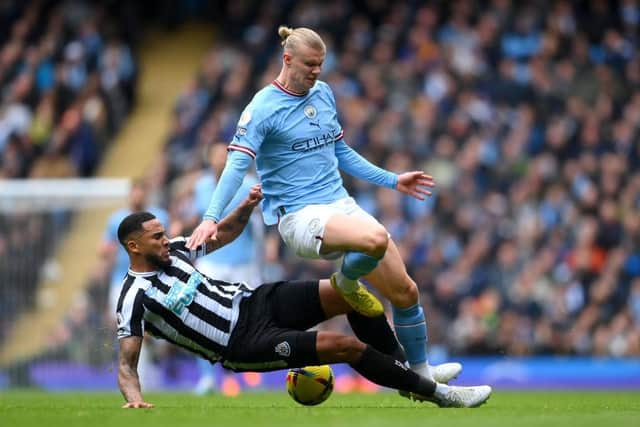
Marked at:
<point>505,408</point>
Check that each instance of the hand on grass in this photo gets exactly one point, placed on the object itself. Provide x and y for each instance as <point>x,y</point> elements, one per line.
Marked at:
<point>136,405</point>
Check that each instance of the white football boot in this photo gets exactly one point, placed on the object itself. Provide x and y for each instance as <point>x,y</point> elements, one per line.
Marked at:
<point>442,373</point>
<point>445,372</point>
<point>457,397</point>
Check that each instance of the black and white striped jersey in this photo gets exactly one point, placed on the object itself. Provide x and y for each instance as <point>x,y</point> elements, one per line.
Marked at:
<point>181,305</point>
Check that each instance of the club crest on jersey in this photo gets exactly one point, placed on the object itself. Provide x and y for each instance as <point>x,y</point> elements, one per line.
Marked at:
<point>244,118</point>
<point>310,111</point>
<point>283,349</point>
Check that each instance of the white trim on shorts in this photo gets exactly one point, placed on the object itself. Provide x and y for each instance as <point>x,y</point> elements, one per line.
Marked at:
<point>303,230</point>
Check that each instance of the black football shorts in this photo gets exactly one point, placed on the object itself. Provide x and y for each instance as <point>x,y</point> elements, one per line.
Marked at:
<point>271,332</point>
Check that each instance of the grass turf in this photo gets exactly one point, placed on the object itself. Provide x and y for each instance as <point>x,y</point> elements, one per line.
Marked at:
<point>505,408</point>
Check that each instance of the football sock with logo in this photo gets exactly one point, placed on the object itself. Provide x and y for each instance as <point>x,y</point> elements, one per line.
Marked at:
<point>386,371</point>
<point>354,266</point>
<point>411,329</point>
<point>376,332</point>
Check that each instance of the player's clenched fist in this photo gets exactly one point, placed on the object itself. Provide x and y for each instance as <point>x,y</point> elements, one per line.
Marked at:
<point>255,195</point>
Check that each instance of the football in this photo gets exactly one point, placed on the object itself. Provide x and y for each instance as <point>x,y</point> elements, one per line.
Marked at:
<point>310,385</point>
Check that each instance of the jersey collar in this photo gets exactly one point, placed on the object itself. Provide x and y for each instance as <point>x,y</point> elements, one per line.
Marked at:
<point>287,91</point>
<point>145,274</point>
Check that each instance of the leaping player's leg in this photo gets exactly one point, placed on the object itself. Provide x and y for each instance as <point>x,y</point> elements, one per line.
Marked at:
<point>324,231</point>
<point>391,279</point>
<point>361,233</point>
<point>364,243</point>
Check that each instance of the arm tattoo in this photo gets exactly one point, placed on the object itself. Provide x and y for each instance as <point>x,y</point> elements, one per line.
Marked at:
<point>128,380</point>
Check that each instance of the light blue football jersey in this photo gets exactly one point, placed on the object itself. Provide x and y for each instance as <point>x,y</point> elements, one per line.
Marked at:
<point>292,138</point>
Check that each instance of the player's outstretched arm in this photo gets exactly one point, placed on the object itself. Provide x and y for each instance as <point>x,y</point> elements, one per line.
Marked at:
<point>355,165</point>
<point>233,224</point>
<point>128,380</point>
<point>415,184</point>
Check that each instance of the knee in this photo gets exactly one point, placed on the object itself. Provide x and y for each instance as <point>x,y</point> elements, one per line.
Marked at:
<point>405,294</point>
<point>376,241</point>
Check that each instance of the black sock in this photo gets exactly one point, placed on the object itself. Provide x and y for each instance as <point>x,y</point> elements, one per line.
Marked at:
<point>376,332</point>
<point>386,371</point>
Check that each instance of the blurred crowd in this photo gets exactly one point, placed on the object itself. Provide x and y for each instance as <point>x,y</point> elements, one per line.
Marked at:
<point>526,113</point>
<point>528,116</point>
<point>67,79</point>
<point>68,76</point>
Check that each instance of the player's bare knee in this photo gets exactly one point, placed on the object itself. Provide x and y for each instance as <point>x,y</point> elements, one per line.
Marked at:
<point>405,294</point>
<point>377,241</point>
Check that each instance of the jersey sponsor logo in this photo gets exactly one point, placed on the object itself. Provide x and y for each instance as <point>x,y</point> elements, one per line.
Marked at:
<point>283,349</point>
<point>182,294</point>
<point>241,131</point>
<point>151,292</point>
<point>245,118</point>
<point>310,111</point>
<point>315,143</point>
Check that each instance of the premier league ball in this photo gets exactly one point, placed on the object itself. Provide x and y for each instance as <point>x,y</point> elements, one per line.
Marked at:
<point>310,385</point>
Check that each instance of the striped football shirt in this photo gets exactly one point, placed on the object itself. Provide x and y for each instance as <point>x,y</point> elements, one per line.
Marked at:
<point>181,305</point>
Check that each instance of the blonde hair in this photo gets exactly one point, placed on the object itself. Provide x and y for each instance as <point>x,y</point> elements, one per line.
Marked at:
<point>292,38</point>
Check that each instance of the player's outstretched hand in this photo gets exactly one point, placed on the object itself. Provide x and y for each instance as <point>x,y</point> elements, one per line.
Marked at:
<point>206,230</point>
<point>415,184</point>
<point>255,195</point>
<point>137,405</point>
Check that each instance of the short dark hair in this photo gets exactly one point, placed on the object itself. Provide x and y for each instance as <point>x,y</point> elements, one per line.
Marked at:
<point>132,222</point>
